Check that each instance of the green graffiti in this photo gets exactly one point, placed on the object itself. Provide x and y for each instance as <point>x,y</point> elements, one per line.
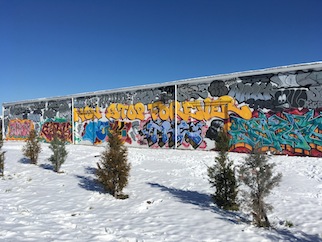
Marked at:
<point>276,131</point>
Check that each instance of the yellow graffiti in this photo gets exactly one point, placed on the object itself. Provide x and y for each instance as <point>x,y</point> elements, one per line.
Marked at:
<point>87,113</point>
<point>199,110</point>
<point>122,111</point>
<point>159,110</point>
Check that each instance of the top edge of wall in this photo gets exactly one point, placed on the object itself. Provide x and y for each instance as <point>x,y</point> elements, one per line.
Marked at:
<point>279,69</point>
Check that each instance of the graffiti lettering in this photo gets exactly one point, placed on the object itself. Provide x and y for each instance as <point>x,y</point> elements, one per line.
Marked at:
<point>199,110</point>
<point>256,91</point>
<point>97,131</point>
<point>207,109</point>
<point>283,132</point>
<point>159,133</point>
<point>135,130</point>
<point>147,96</point>
<point>61,129</point>
<point>191,134</point>
<point>19,129</point>
<point>106,99</point>
<point>187,92</point>
<point>290,99</point>
<point>160,110</point>
<point>285,80</point>
<point>87,113</point>
<point>121,111</point>
<point>122,128</point>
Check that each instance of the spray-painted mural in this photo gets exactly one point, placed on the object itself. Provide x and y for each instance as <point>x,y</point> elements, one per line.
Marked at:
<point>46,117</point>
<point>292,131</point>
<point>152,122</point>
<point>125,112</point>
<point>286,116</point>
<point>18,129</point>
<point>278,112</point>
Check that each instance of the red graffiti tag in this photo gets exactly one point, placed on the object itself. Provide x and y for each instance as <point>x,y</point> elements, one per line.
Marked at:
<point>61,129</point>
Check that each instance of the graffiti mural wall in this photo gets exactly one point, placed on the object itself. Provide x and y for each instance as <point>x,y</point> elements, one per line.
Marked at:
<point>133,114</point>
<point>278,111</point>
<point>286,113</point>
<point>46,117</point>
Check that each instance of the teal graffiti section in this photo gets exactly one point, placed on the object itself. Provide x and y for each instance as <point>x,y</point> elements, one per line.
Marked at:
<point>293,132</point>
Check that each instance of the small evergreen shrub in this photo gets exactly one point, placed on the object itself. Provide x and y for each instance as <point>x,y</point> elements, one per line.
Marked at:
<point>2,157</point>
<point>113,168</point>
<point>222,175</point>
<point>59,153</point>
<point>289,224</point>
<point>32,148</point>
<point>257,174</point>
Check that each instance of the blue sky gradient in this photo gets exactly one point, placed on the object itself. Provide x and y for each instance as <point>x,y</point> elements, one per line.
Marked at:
<point>60,47</point>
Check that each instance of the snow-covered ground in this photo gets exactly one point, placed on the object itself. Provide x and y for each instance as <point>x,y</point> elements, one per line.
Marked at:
<point>169,200</point>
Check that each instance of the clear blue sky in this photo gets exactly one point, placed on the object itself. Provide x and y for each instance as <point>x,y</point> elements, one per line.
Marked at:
<point>59,47</point>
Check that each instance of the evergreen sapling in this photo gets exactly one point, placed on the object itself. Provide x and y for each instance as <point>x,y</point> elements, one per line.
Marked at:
<point>222,175</point>
<point>257,174</point>
<point>2,157</point>
<point>113,168</point>
<point>59,153</point>
<point>32,148</point>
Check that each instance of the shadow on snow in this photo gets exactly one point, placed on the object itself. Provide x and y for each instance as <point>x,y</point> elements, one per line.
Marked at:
<point>287,235</point>
<point>28,161</point>
<point>88,182</point>
<point>204,202</point>
<point>25,161</point>
<point>47,166</point>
